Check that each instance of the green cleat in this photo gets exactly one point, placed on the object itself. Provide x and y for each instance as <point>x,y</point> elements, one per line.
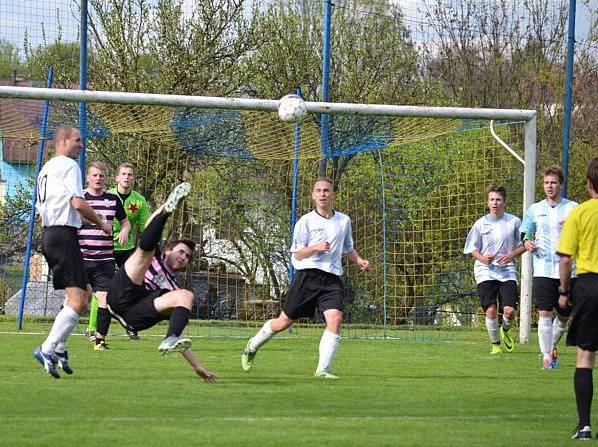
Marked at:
<point>506,338</point>
<point>325,374</point>
<point>496,350</point>
<point>247,358</point>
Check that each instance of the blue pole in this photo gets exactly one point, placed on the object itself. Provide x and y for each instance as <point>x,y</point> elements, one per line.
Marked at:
<point>295,178</point>
<point>83,86</point>
<point>568,102</point>
<point>40,154</point>
<point>325,123</point>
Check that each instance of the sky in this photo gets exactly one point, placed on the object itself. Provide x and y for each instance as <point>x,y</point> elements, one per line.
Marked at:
<point>17,16</point>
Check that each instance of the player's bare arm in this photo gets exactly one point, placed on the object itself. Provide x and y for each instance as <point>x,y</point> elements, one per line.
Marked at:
<point>199,369</point>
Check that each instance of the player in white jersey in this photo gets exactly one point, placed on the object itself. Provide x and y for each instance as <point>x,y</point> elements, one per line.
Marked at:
<point>542,225</point>
<point>320,239</point>
<point>494,242</point>
<point>61,203</point>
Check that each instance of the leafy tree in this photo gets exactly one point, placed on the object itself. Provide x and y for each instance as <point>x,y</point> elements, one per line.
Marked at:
<point>9,59</point>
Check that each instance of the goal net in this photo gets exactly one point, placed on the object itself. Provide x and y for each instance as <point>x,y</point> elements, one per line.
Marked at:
<point>412,184</point>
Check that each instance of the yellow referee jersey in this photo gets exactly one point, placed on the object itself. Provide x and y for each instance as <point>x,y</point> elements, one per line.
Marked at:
<point>579,238</point>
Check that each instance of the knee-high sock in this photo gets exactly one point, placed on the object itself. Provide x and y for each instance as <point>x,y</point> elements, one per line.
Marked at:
<point>506,323</point>
<point>153,232</point>
<point>545,336</point>
<point>64,323</point>
<point>584,389</point>
<point>558,329</point>
<point>103,321</point>
<point>328,346</point>
<point>178,320</point>
<point>263,335</point>
<point>93,314</point>
<point>492,328</point>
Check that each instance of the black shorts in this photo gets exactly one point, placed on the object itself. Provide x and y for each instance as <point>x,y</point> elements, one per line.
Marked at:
<point>60,247</point>
<point>583,331</point>
<point>502,292</point>
<point>313,288</point>
<point>131,304</point>
<point>546,294</point>
<point>121,256</point>
<point>100,274</point>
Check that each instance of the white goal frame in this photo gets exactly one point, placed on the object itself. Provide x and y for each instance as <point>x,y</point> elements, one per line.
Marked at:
<point>527,116</point>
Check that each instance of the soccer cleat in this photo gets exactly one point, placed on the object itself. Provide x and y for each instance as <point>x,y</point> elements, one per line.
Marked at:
<point>584,433</point>
<point>178,193</point>
<point>63,361</point>
<point>48,361</point>
<point>555,357</point>
<point>325,374</point>
<point>547,364</point>
<point>496,350</point>
<point>101,345</point>
<point>247,358</point>
<point>172,343</point>
<point>132,333</point>
<point>506,338</point>
<point>91,335</point>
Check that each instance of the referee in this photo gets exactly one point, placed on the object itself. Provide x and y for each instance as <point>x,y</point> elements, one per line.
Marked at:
<point>579,240</point>
<point>61,204</point>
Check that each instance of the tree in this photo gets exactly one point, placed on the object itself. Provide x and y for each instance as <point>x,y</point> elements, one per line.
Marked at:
<point>9,59</point>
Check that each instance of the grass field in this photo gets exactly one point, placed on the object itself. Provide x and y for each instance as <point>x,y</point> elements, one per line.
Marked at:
<point>390,393</point>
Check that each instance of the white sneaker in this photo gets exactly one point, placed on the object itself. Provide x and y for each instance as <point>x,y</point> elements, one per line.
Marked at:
<point>176,195</point>
<point>174,344</point>
<point>325,374</point>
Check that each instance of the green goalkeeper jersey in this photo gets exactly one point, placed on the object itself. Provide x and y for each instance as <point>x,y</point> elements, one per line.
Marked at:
<point>137,211</point>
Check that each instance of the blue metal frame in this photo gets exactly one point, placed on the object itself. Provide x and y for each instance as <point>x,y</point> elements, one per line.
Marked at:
<point>40,155</point>
<point>568,102</point>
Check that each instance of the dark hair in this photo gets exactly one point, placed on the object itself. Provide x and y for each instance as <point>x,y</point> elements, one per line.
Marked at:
<point>497,189</point>
<point>188,242</point>
<point>554,170</point>
<point>592,174</point>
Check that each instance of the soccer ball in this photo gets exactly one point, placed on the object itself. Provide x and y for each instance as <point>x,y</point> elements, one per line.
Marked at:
<point>291,108</point>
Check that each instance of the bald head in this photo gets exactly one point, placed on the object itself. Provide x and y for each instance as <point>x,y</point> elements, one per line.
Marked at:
<point>67,141</point>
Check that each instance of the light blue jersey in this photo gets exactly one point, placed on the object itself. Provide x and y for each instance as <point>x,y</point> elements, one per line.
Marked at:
<point>496,237</point>
<point>545,222</point>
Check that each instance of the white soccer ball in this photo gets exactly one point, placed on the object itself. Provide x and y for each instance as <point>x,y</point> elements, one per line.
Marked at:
<point>291,108</point>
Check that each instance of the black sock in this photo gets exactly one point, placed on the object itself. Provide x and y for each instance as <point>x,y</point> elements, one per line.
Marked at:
<point>103,321</point>
<point>178,320</point>
<point>153,232</point>
<point>584,388</point>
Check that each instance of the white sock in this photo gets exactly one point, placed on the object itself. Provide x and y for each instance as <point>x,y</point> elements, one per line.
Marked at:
<point>64,323</point>
<point>506,323</point>
<point>492,327</point>
<point>263,335</point>
<point>60,347</point>
<point>558,329</point>
<point>328,345</point>
<point>545,336</point>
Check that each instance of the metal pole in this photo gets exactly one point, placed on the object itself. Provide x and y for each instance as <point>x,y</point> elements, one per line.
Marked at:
<point>568,102</point>
<point>529,182</point>
<point>83,86</point>
<point>325,119</point>
<point>40,154</point>
<point>295,180</point>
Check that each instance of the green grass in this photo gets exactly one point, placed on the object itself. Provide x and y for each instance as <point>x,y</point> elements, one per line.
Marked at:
<point>390,393</point>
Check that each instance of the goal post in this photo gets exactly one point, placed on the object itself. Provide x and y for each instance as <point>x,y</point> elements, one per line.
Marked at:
<point>263,136</point>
